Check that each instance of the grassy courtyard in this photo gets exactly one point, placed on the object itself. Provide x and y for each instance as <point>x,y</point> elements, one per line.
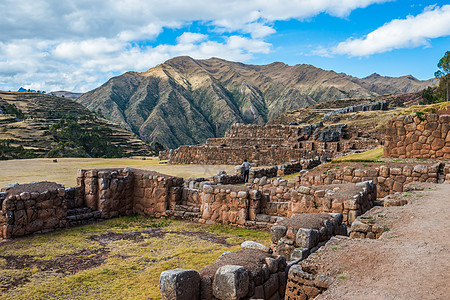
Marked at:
<point>120,258</point>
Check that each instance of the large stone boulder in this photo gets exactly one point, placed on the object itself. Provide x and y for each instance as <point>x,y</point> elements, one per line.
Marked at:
<point>231,282</point>
<point>180,284</point>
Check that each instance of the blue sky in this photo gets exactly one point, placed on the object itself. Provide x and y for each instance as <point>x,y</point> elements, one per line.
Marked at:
<point>78,45</point>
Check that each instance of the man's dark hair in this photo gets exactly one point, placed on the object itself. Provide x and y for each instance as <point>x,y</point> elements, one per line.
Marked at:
<point>245,159</point>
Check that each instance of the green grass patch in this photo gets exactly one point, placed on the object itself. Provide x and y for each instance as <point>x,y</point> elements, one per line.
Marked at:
<point>368,156</point>
<point>134,251</point>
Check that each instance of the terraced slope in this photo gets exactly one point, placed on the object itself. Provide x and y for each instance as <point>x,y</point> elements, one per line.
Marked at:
<point>41,112</point>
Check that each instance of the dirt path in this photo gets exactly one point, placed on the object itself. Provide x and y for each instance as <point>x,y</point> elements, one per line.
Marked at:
<point>410,261</point>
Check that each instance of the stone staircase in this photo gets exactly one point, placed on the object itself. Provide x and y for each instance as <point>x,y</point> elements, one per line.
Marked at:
<point>262,221</point>
<point>184,212</point>
<point>82,216</point>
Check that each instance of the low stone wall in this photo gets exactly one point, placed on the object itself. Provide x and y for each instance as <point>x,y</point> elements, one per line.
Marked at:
<point>32,210</point>
<point>300,235</point>
<point>100,194</point>
<point>419,136</point>
<point>244,274</point>
<point>304,285</point>
<point>388,179</point>
<point>378,105</point>
<point>367,227</point>
<point>447,171</point>
<point>283,198</point>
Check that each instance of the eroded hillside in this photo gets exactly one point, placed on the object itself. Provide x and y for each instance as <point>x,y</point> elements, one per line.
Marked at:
<point>186,101</point>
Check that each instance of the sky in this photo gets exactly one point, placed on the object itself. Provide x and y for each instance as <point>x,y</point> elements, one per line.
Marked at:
<point>77,45</point>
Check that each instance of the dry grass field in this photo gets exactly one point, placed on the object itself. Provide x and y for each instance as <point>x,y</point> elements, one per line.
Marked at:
<point>120,258</point>
<point>65,170</point>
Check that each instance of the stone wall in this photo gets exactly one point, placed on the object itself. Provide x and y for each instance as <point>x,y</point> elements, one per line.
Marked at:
<point>32,210</point>
<point>270,145</point>
<point>244,274</point>
<point>108,191</point>
<point>280,197</point>
<point>378,105</point>
<point>300,235</point>
<point>202,155</point>
<point>418,135</point>
<point>388,179</point>
<point>304,285</point>
<point>100,194</point>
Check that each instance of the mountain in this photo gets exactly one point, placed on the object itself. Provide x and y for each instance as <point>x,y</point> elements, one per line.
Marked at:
<point>186,101</point>
<point>22,90</point>
<point>40,125</point>
<point>66,94</point>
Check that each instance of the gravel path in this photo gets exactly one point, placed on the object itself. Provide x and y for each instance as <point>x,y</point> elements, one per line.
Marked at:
<point>410,261</point>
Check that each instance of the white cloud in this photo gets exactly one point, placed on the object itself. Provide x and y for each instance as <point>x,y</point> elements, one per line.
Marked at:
<point>411,32</point>
<point>191,37</point>
<point>78,44</point>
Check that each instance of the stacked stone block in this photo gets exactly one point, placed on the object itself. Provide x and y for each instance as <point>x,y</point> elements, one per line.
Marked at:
<point>261,276</point>
<point>367,227</point>
<point>388,179</point>
<point>32,212</point>
<point>418,135</point>
<point>293,241</point>
<point>229,205</point>
<point>154,193</point>
<point>447,171</point>
<point>305,285</point>
<point>108,191</point>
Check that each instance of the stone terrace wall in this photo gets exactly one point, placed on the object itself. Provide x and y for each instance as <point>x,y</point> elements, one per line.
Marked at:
<point>270,145</point>
<point>388,179</point>
<point>288,132</point>
<point>300,235</point>
<point>378,105</point>
<point>419,136</point>
<point>232,156</point>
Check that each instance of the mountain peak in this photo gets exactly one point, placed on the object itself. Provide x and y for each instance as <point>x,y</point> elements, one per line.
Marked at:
<point>372,76</point>
<point>185,101</point>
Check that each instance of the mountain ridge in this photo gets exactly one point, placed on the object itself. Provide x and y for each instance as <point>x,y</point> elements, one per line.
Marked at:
<point>186,101</point>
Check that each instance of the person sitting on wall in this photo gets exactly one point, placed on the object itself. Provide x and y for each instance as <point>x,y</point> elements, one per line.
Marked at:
<point>247,167</point>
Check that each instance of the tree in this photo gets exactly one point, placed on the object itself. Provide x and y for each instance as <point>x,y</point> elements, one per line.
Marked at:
<point>428,95</point>
<point>444,73</point>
